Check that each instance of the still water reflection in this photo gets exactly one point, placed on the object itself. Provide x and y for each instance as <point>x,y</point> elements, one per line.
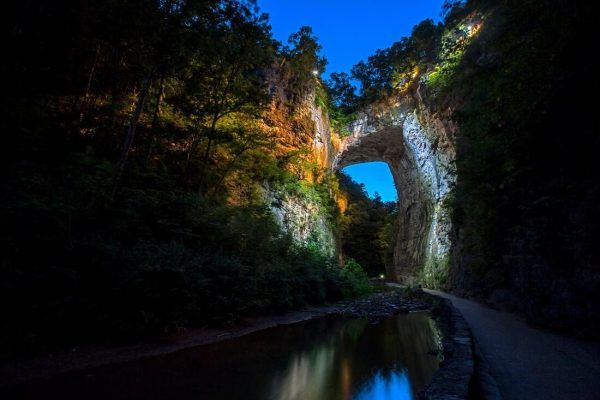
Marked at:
<point>326,359</point>
<point>356,360</point>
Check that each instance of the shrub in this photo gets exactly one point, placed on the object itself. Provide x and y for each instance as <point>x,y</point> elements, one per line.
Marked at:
<point>357,281</point>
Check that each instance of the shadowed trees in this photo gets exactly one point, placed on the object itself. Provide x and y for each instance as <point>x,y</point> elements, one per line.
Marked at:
<point>134,165</point>
<point>368,228</point>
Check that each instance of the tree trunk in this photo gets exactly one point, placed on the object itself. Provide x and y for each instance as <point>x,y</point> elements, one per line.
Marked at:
<point>191,149</point>
<point>213,129</point>
<point>88,87</point>
<point>159,99</point>
<point>156,114</point>
<point>228,169</point>
<point>133,122</point>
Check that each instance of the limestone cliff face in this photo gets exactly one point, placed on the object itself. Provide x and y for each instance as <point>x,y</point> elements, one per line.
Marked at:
<point>415,142</point>
<point>417,145</point>
<point>304,219</point>
<point>305,138</point>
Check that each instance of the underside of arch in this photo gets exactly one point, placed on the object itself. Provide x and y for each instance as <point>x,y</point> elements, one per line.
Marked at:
<point>415,204</point>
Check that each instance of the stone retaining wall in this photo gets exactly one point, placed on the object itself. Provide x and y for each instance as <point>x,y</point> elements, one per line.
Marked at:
<point>452,380</point>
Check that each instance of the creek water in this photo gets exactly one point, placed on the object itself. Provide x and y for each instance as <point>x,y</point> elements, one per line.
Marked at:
<point>323,359</point>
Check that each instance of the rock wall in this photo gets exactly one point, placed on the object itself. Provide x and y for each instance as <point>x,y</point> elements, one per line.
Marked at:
<point>413,141</point>
<point>302,215</point>
<point>304,219</point>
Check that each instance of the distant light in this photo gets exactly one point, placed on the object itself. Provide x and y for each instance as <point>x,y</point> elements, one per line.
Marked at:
<point>382,276</point>
<point>473,29</point>
<point>315,72</point>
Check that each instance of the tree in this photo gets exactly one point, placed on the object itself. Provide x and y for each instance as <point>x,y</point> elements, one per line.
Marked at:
<point>453,11</point>
<point>304,61</point>
<point>161,53</point>
<point>424,42</point>
<point>368,227</point>
<point>342,92</point>
<point>224,76</point>
<point>375,75</point>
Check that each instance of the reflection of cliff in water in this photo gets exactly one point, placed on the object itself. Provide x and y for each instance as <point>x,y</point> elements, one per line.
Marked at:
<point>387,360</point>
<point>325,359</point>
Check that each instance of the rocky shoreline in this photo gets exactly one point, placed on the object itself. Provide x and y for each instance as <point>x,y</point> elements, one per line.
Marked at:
<point>380,305</point>
<point>455,378</point>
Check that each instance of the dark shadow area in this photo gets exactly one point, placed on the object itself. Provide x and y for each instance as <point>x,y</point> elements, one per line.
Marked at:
<point>526,213</point>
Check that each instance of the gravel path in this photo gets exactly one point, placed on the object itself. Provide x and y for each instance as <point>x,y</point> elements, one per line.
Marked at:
<point>528,363</point>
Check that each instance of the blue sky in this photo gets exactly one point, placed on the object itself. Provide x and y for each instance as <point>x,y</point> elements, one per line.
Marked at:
<point>350,31</point>
<point>377,179</point>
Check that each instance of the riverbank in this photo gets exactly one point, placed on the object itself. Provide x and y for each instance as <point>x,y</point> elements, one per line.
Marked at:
<point>376,308</point>
<point>454,379</point>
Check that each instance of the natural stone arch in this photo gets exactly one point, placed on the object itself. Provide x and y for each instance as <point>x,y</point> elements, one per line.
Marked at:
<point>408,142</point>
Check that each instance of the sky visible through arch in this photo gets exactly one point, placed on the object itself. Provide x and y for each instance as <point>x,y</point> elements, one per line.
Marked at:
<point>376,177</point>
<point>350,31</point>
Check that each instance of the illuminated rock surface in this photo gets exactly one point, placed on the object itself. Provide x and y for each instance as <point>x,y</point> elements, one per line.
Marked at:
<point>417,148</point>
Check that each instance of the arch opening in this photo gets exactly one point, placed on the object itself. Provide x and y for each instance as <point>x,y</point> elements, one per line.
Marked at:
<point>376,177</point>
<point>422,178</point>
<point>368,227</point>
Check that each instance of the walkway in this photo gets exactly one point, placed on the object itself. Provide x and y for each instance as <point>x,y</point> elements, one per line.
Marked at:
<point>528,363</point>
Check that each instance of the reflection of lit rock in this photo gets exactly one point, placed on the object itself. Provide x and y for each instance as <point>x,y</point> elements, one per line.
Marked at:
<point>398,364</point>
<point>306,376</point>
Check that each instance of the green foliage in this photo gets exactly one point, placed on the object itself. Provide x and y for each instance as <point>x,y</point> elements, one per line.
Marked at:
<point>321,97</point>
<point>397,66</point>
<point>155,260</point>
<point>342,92</point>
<point>454,42</point>
<point>383,73</point>
<point>368,228</point>
<point>303,59</point>
<point>175,234</point>
<point>338,98</point>
<point>435,272</point>
<point>455,10</point>
<point>318,193</point>
<point>526,199</point>
<point>357,281</point>
<point>227,66</point>
<point>340,122</point>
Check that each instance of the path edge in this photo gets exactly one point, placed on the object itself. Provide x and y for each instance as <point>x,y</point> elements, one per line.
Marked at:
<point>453,380</point>
<point>464,373</point>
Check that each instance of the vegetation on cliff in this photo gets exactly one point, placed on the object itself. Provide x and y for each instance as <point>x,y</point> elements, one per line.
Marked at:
<point>515,77</point>
<point>526,199</point>
<point>139,139</point>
